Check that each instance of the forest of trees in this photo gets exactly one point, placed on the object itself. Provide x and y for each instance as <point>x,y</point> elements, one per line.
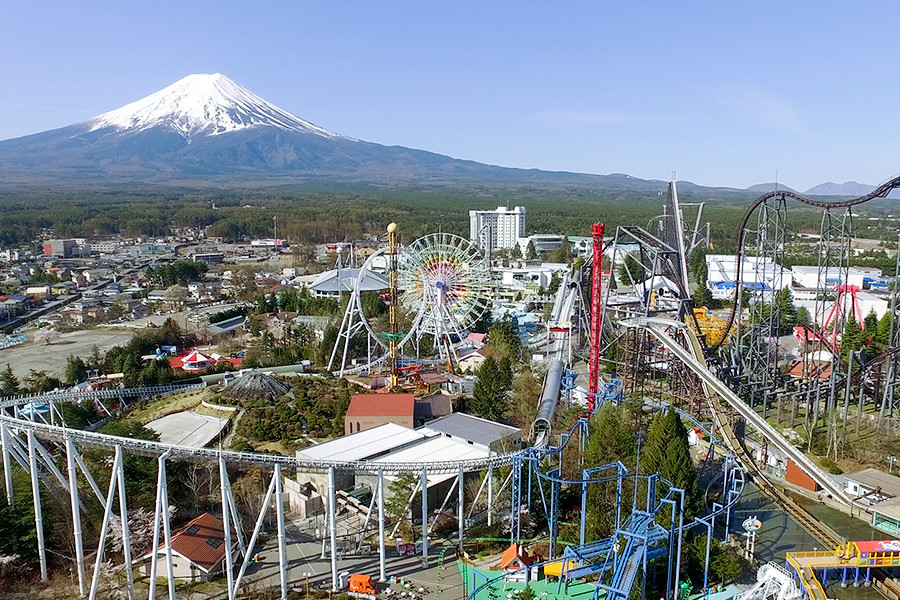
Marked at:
<point>308,216</point>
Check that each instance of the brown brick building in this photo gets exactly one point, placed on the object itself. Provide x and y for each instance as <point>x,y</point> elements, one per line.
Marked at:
<point>370,410</point>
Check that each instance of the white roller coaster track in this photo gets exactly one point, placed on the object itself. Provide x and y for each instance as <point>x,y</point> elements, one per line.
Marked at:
<point>154,449</point>
<point>31,455</point>
<point>42,468</point>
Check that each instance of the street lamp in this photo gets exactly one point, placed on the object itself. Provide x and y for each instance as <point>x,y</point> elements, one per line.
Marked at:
<point>306,575</point>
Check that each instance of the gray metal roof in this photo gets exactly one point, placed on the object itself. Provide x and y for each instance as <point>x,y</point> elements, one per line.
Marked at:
<point>346,280</point>
<point>874,479</point>
<point>471,428</point>
<point>363,444</point>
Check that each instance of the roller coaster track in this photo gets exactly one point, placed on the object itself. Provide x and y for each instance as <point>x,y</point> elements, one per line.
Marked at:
<point>880,192</point>
<point>819,530</point>
<point>268,461</point>
<point>825,534</point>
<point>695,362</point>
<point>141,392</point>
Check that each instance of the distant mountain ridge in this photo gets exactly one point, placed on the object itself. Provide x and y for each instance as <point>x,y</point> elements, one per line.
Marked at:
<point>848,188</point>
<point>762,188</point>
<point>206,129</point>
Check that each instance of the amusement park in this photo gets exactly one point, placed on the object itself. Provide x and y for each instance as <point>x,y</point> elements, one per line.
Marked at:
<point>677,437</point>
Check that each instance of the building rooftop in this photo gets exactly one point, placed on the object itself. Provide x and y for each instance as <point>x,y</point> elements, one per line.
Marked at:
<point>434,405</point>
<point>875,479</point>
<point>889,508</point>
<point>347,280</point>
<point>435,449</point>
<point>188,429</point>
<point>363,444</point>
<point>381,405</point>
<point>202,541</point>
<point>471,429</point>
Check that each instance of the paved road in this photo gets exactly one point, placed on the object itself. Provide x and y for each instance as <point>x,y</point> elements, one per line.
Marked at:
<point>305,556</point>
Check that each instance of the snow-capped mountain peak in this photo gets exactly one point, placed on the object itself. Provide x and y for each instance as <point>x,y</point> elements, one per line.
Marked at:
<point>204,104</point>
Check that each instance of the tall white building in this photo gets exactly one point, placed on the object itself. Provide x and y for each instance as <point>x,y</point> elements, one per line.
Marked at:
<point>496,229</point>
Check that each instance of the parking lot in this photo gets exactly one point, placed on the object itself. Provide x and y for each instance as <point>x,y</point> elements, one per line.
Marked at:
<point>52,357</point>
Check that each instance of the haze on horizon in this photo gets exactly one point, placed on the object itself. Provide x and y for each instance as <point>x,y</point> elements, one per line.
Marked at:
<point>723,93</point>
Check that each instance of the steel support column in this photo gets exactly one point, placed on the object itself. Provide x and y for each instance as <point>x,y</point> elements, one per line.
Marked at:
<point>107,515</point>
<point>7,472</point>
<point>226,523</point>
<point>425,516</point>
<point>382,575</point>
<point>36,493</point>
<point>279,515</point>
<point>256,529</point>
<point>516,503</point>
<point>76,517</point>
<point>459,510</point>
<point>332,528</point>
<point>126,536</point>
<point>490,492</point>
<point>582,525</point>
<point>167,527</point>
<point>157,517</point>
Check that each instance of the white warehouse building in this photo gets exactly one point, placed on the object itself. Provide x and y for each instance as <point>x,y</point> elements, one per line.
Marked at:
<point>809,277</point>
<point>496,229</point>
<point>757,273</point>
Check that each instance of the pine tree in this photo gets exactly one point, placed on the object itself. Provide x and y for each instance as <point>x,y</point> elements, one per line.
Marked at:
<point>631,271</point>
<point>654,448</point>
<point>611,438</point>
<point>702,296</point>
<point>788,312</point>
<point>506,370</point>
<point>871,324</point>
<point>503,337</point>
<point>76,370</point>
<point>678,467</point>
<point>398,494</point>
<point>883,329</point>
<point>489,396</point>
<point>9,385</point>
<point>667,452</point>
<point>852,338</point>
<point>697,264</point>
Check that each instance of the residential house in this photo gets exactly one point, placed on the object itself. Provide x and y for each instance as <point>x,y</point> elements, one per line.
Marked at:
<point>198,550</point>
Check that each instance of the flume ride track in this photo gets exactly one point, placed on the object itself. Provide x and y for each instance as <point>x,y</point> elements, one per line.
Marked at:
<point>880,192</point>
<point>694,361</point>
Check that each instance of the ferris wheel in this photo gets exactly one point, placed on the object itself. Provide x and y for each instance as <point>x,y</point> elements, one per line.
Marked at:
<point>443,286</point>
<point>445,279</point>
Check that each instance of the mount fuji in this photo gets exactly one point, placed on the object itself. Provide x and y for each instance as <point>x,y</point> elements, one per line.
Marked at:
<point>208,128</point>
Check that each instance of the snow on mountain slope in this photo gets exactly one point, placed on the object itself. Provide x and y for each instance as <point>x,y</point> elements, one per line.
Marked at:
<point>204,104</point>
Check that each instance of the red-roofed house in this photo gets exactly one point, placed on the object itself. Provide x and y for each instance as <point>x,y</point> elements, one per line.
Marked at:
<point>515,561</point>
<point>371,410</point>
<point>477,338</point>
<point>198,550</point>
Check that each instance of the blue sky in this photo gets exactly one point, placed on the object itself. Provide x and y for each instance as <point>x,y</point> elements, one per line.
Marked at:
<point>724,93</point>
